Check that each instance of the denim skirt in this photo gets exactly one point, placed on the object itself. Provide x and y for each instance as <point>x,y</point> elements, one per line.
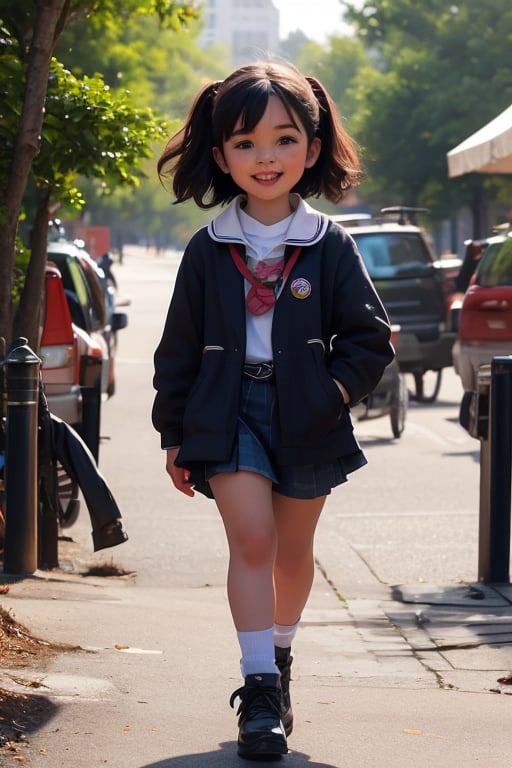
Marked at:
<point>254,451</point>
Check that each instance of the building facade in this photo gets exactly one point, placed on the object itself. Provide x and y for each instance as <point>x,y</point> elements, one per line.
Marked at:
<point>248,28</point>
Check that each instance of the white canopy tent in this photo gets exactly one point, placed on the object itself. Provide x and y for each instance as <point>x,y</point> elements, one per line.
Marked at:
<point>489,150</point>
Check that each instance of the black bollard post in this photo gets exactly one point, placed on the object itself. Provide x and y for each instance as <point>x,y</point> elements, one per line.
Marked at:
<point>91,403</point>
<point>500,424</point>
<point>479,427</point>
<point>22,391</point>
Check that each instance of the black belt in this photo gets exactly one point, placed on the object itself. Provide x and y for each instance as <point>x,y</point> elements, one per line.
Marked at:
<point>259,371</point>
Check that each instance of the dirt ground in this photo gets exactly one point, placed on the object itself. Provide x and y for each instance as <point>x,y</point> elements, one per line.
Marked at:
<point>23,705</point>
<point>21,712</point>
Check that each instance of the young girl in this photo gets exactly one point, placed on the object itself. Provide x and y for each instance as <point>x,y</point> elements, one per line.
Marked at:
<point>273,331</point>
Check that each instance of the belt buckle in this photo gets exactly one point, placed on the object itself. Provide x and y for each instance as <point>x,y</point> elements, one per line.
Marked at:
<point>259,371</point>
<point>265,371</point>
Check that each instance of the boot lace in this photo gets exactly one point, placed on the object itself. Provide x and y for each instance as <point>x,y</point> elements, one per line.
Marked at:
<point>261,700</point>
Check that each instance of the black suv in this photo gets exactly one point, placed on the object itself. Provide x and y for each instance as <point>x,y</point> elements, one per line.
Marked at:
<point>414,287</point>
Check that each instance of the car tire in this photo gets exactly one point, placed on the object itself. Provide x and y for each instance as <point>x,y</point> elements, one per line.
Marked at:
<point>69,498</point>
<point>398,406</point>
<point>427,385</point>
<point>465,410</point>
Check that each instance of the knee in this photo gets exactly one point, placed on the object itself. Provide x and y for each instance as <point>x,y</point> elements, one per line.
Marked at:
<point>292,564</point>
<point>256,548</point>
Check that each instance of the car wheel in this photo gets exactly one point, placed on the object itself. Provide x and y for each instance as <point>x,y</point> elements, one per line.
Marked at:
<point>398,406</point>
<point>427,385</point>
<point>69,498</point>
<point>465,410</point>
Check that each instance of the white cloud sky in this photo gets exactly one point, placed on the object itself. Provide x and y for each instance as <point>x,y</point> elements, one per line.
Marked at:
<point>316,18</point>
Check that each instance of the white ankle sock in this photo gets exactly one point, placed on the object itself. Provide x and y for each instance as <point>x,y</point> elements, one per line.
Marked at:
<point>257,652</point>
<point>284,634</point>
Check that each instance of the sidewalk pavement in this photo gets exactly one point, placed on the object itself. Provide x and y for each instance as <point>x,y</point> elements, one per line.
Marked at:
<point>383,676</point>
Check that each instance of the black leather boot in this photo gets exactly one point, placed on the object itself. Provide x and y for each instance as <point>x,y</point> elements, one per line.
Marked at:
<point>260,730</point>
<point>284,663</point>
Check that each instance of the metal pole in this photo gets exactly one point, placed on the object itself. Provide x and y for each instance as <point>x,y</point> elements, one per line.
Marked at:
<point>500,423</point>
<point>22,391</point>
<point>479,426</point>
<point>484,542</point>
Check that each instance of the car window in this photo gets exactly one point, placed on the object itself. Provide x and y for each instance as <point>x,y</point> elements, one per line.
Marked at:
<point>75,287</point>
<point>78,283</point>
<point>392,254</point>
<point>86,304</point>
<point>96,294</point>
<point>495,267</point>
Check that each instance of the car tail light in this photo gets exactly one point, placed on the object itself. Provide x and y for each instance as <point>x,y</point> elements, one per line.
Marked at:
<point>57,326</point>
<point>57,355</point>
<point>395,330</point>
<point>58,348</point>
<point>486,314</point>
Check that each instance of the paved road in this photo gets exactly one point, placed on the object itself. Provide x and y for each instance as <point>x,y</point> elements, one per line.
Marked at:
<point>399,652</point>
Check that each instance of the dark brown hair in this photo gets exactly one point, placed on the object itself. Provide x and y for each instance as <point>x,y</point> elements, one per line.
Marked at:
<point>187,160</point>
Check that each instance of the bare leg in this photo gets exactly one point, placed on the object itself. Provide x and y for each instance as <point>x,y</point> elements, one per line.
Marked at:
<point>244,500</point>
<point>294,568</point>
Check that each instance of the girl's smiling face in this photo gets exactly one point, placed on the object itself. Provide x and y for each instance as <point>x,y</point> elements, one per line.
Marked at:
<point>268,161</point>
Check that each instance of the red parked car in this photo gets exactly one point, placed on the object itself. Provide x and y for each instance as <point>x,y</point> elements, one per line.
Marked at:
<point>72,363</point>
<point>79,325</point>
<point>485,320</point>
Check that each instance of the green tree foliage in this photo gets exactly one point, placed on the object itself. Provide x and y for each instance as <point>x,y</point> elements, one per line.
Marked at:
<point>160,68</point>
<point>81,128</point>
<point>441,71</point>
<point>292,46</point>
<point>335,66</point>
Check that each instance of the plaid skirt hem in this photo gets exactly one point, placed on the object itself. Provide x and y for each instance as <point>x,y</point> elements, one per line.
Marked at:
<point>256,434</point>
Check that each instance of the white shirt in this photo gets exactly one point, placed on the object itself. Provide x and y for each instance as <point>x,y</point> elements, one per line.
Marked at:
<point>305,226</point>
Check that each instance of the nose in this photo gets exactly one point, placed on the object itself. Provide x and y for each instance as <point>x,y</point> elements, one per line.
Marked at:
<point>266,155</point>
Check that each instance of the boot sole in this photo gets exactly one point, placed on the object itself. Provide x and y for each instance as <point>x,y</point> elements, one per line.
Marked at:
<point>264,748</point>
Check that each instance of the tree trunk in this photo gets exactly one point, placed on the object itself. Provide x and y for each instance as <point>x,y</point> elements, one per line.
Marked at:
<point>48,25</point>
<point>26,318</point>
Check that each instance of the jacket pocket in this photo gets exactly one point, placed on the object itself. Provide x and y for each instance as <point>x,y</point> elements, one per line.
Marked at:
<point>333,401</point>
<point>312,405</point>
<point>212,402</point>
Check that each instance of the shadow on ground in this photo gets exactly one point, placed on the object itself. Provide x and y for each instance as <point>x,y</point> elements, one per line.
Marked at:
<point>226,756</point>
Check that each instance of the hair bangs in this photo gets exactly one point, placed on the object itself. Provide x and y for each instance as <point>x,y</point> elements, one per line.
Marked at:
<point>241,107</point>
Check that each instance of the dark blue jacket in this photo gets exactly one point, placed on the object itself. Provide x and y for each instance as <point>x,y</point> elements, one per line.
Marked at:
<point>340,331</point>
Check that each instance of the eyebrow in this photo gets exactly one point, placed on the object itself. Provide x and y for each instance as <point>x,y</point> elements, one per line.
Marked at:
<point>283,127</point>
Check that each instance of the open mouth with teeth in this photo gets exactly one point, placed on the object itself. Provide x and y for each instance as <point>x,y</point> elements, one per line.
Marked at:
<point>266,177</point>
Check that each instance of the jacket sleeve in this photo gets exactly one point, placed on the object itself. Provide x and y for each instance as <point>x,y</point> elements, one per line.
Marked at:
<point>178,356</point>
<point>360,334</point>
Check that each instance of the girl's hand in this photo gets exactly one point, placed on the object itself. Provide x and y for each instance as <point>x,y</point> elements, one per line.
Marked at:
<point>179,476</point>
<point>346,396</point>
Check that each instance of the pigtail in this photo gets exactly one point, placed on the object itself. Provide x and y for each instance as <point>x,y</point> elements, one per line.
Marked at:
<point>188,168</point>
<point>338,165</point>
<point>187,165</point>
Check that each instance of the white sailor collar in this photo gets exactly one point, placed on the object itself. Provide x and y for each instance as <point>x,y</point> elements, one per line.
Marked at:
<point>307,226</point>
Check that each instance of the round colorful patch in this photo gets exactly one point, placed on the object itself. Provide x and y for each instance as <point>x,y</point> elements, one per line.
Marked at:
<point>300,288</point>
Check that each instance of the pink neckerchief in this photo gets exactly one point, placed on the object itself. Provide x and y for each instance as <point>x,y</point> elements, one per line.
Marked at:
<point>261,297</point>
